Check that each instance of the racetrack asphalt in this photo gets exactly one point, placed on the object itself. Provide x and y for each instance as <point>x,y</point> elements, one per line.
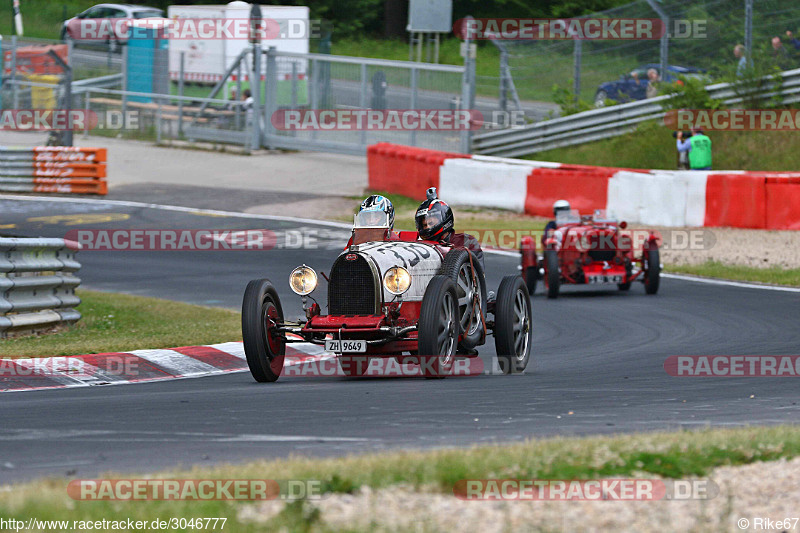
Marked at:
<point>597,354</point>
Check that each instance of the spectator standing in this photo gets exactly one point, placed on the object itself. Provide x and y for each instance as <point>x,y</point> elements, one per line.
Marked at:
<point>738,53</point>
<point>652,83</point>
<point>698,147</point>
<point>780,54</point>
<point>794,41</point>
<point>248,105</point>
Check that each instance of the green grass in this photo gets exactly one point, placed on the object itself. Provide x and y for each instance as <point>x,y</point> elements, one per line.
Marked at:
<point>715,269</point>
<point>42,18</point>
<point>652,146</point>
<point>121,322</point>
<point>665,454</point>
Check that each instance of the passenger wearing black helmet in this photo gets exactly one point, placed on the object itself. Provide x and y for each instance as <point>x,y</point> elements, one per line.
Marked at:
<point>435,222</point>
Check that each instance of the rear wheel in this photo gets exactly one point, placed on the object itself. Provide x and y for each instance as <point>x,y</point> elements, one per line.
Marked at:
<point>552,273</point>
<point>513,331</point>
<point>264,346</point>
<point>459,269</point>
<point>652,273</point>
<point>438,328</point>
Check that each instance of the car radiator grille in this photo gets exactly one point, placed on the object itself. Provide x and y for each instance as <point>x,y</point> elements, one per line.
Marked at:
<point>351,290</point>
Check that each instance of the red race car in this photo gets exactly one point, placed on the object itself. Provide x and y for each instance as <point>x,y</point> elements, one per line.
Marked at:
<point>591,250</point>
<point>415,300</point>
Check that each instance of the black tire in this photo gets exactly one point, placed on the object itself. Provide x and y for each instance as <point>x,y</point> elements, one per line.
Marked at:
<point>513,329</point>
<point>531,278</point>
<point>264,350</point>
<point>438,328</point>
<point>652,274</point>
<point>456,266</point>
<point>624,286</point>
<point>353,365</point>
<point>552,273</point>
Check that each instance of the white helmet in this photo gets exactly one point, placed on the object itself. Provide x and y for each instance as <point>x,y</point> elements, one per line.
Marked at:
<point>560,205</point>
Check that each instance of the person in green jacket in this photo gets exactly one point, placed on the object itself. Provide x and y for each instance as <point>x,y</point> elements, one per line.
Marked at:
<point>699,148</point>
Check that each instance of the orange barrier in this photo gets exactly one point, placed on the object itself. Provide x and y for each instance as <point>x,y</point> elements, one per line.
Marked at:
<point>736,200</point>
<point>58,169</point>
<point>405,170</point>
<point>586,189</point>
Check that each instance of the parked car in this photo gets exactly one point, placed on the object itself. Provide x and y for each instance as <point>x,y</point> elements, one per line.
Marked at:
<point>387,298</point>
<point>591,250</point>
<point>111,18</point>
<point>633,85</point>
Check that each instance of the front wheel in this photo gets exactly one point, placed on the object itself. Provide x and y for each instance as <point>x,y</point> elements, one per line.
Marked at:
<point>264,345</point>
<point>438,328</point>
<point>513,331</point>
<point>652,274</point>
<point>552,273</point>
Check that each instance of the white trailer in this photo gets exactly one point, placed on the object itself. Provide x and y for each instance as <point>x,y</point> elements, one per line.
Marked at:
<point>207,60</point>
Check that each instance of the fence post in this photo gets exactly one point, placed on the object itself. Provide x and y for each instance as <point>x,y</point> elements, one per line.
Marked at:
<point>577,58</point>
<point>15,97</point>
<point>271,97</point>
<point>467,87</point>
<point>86,97</point>
<point>124,105</point>
<point>255,89</point>
<point>158,122</point>
<point>748,31</point>
<point>414,89</point>
<point>180,94</point>
<point>503,80</point>
<point>664,37</point>
<point>362,100</point>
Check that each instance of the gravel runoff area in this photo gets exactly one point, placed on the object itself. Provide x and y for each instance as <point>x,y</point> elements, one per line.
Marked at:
<point>760,490</point>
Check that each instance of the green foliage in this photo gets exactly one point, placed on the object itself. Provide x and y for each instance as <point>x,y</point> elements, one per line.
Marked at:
<point>689,93</point>
<point>565,98</point>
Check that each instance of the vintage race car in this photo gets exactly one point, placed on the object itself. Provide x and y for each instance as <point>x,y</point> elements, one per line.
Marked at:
<point>592,250</point>
<point>391,295</point>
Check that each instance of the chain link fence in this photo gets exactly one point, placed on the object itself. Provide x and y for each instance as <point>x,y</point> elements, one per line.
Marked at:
<point>702,35</point>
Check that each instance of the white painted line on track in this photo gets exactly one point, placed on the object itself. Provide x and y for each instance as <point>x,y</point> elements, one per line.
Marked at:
<point>507,253</point>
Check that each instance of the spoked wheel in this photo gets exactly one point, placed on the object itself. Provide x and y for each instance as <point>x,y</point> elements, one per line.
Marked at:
<point>438,328</point>
<point>552,276</point>
<point>264,346</point>
<point>513,333</point>
<point>652,269</point>
<point>459,269</point>
<point>354,365</point>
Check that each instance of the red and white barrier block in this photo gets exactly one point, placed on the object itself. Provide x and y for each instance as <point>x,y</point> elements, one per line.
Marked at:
<point>761,200</point>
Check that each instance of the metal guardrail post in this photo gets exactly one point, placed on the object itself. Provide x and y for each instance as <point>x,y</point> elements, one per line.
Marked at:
<point>86,98</point>
<point>748,31</point>
<point>37,288</point>
<point>124,106</point>
<point>271,96</point>
<point>158,122</point>
<point>412,140</point>
<point>467,89</point>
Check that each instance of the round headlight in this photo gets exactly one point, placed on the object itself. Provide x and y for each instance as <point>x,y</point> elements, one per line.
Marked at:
<point>397,280</point>
<point>303,280</point>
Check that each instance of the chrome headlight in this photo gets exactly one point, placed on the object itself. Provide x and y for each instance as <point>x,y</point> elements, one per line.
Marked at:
<point>303,280</point>
<point>397,280</point>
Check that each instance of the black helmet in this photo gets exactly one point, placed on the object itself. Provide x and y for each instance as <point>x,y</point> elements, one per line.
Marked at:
<point>434,218</point>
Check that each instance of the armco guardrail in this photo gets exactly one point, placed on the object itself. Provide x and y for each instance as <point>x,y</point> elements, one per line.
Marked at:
<point>37,284</point>
<point>58,169</point>
<point>606,122</point>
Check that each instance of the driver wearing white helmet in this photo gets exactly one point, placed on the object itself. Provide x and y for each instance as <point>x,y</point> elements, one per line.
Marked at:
<point>558,207</point>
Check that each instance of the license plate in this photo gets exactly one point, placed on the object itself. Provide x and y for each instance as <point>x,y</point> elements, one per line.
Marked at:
<point>345,346</point>
<point>605,279</point>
